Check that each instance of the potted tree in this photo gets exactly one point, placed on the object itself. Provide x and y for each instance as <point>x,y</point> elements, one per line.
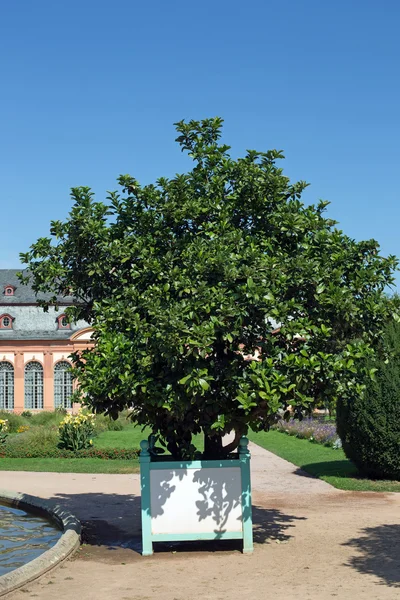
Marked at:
<point>218,300</point>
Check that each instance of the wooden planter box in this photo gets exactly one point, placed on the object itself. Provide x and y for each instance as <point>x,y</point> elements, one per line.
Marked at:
<point>195,500</point>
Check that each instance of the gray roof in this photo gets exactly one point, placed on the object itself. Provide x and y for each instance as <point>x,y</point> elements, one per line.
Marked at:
<point>11,335</point>
<point>23,294</point>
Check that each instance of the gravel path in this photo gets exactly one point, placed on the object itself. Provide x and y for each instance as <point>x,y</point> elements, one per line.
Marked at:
<point>312,541</point>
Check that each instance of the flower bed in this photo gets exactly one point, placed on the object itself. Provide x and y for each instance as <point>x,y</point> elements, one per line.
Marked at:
<point>314,430</point>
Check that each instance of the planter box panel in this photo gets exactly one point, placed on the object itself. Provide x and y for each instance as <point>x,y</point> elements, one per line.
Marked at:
<point>196,500</point>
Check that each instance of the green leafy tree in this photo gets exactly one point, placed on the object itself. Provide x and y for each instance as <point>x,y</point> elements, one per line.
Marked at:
<point>218,299</point>
<point>369,425</point>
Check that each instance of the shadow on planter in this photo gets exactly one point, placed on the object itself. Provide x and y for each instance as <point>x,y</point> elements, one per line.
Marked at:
<point>195,500</point>
<point>111,524</point>
<point>378,553</point>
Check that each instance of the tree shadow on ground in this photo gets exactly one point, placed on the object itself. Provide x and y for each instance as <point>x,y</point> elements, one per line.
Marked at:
<point>378,553</point>
<point>113,521</point>
<point>333,468</point>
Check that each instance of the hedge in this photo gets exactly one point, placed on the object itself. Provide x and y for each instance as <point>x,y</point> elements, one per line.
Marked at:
<point>103,453</point>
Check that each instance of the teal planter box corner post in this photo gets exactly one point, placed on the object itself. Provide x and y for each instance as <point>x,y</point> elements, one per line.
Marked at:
<point>195,500</point>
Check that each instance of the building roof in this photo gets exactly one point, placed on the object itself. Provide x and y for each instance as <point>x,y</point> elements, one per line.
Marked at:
<point>12,335</point>
<point>23,294</point>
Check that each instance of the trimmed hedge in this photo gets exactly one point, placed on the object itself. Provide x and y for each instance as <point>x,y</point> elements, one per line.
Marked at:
<point>102,453</point>
<point>369,426</point>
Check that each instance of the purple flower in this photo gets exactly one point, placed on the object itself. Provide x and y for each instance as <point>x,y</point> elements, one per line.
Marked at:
<point>311,429</point>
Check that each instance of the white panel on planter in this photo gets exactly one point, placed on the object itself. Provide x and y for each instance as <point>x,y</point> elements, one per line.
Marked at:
<point>196,500</point>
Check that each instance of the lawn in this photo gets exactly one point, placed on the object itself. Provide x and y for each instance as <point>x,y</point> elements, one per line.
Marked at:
<point>325,463</point>
<point>130,437</point>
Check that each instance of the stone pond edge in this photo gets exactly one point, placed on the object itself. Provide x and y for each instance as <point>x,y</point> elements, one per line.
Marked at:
<point>68,543</point>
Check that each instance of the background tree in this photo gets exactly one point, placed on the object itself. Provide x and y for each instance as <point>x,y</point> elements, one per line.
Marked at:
<point>186,281</point>
<point>369,426</point>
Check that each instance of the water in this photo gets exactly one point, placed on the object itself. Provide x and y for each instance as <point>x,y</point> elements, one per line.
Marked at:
<point>23,537</point>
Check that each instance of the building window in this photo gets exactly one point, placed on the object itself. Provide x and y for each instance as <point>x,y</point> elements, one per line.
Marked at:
<point>33,385</point>
<point>63,322</point>
<point>6,386</point>
<point>6,322</point>
<point>62,385</point>
<point>9,290</point>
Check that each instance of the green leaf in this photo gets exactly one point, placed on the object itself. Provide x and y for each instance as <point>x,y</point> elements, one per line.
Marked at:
<point>204,384</point>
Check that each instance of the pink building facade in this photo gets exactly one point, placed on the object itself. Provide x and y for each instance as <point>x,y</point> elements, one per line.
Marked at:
<point>34,349</point>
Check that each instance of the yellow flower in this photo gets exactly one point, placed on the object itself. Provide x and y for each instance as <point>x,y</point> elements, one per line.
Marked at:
<point>91,442</point>
<point>22,428</point>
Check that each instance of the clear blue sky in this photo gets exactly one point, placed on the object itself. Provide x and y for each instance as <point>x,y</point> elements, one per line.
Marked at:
<point>90,89</point>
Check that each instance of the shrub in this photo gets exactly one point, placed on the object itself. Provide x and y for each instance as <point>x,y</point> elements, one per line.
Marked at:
<point>100,424</point>
<point>115,425</point>
<point>104,423</point>
<point>14,421</point>
<point>47,418</point>
<point>109,453</point>
<point>26,414</point>
<point>369,425</point>
<point>76,432</point>
<point>12,451</point>
<point>33,440</point>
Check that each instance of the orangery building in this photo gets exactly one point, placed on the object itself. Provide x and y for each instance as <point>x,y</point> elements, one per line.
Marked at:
<point>35,348</point>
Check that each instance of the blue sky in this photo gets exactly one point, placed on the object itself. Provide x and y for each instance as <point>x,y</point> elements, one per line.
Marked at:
<point>91,89</point>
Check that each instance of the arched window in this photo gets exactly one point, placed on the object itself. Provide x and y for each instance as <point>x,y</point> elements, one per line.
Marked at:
<point>33,385</point>
<point>62,385</point>
<point>6,386</point>
<point>6,321</point>
<point>9,290</point>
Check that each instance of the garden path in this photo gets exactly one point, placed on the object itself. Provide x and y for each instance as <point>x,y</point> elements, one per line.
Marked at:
<point>311,541</point>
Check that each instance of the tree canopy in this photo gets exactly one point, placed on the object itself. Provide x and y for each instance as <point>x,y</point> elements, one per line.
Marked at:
<point>218,298</point>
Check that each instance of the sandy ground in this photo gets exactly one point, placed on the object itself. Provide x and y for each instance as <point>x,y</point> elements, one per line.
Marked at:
<point>311,542</point>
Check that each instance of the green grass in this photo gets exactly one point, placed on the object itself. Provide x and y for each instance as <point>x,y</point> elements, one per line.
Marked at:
<point>127,438</point>
<point>69,465</point>
<point>131,438</point>
<point>325,463</point>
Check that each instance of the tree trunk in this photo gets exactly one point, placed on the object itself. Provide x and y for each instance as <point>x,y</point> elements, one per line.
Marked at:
<point>213,446</point>
<point>233,444</point>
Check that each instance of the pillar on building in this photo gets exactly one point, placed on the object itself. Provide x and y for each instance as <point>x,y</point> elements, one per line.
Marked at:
<point>48,381</point>
<point>19,374</point>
